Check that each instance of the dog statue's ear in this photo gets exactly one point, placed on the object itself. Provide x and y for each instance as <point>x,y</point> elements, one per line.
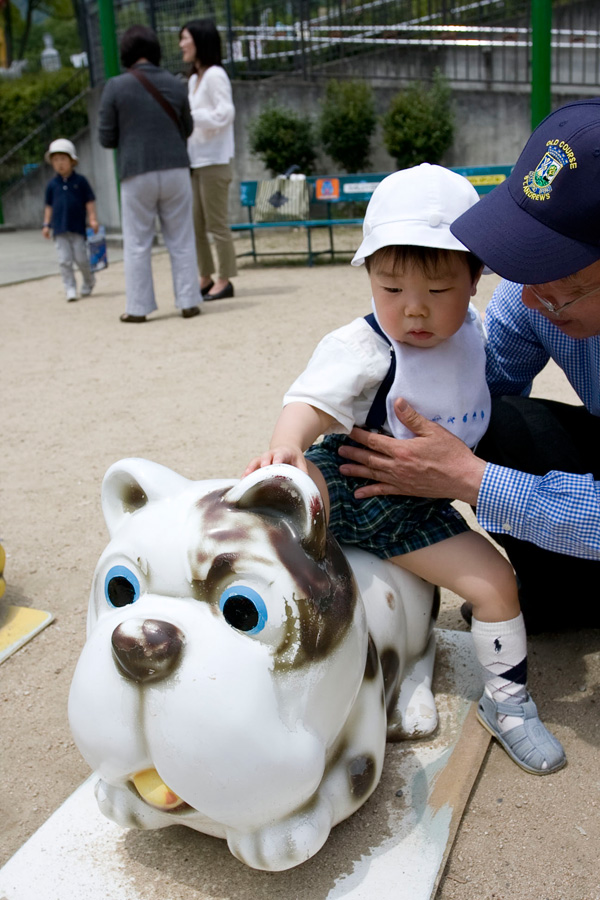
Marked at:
<point>285,492</point>
<point>132,483</point>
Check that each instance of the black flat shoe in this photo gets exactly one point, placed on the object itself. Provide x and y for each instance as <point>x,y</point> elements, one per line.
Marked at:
<point>127,318</point>
<point>205,290</point>
<point>190,312</point>
<point>221,295</point>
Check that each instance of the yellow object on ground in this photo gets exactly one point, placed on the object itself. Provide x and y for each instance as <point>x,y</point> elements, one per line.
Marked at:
<point>20,625</point>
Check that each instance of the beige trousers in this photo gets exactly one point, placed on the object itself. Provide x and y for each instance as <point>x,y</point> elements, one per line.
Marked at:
<point>210,187</point>
<point>165,194</point>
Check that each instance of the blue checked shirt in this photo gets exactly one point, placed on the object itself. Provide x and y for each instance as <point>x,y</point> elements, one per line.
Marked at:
<point>558,511</point>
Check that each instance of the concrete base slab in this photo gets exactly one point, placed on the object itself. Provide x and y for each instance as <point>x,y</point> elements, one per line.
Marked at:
<point>395,846</point>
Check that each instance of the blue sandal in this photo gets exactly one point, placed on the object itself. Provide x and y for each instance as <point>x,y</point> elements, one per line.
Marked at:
<point>530,745</point>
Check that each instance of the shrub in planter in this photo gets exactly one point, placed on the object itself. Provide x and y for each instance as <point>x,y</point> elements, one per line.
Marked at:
<point>281,138</point>
<point>419,124</point>
<point>347,123</point>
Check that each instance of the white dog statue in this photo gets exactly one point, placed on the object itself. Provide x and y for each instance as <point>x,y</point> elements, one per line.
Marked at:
<point>241,671</point>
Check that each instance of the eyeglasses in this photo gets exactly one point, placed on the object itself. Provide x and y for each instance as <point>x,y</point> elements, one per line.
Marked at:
<point>558,310</point>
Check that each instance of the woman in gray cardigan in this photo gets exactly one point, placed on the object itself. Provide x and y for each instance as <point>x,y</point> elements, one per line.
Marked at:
<point>145,115</point>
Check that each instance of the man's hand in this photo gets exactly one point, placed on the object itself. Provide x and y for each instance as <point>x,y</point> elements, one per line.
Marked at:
<point>435,463</point>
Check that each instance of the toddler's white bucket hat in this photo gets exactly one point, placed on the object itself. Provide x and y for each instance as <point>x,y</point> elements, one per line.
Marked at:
<point>416,206</point>
<point>62,145</point>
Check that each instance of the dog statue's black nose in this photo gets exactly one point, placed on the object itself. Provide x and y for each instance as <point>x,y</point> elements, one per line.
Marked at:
<point>146,649</point>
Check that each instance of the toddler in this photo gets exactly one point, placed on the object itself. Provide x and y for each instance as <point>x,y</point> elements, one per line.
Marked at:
<point>424,341</point>
<point>69,198</point>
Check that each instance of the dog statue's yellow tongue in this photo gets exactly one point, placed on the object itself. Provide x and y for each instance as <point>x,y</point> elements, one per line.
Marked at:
<point>154,791</point>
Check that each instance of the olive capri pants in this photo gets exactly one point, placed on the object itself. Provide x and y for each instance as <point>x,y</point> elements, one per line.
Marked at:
<point>210,186</point>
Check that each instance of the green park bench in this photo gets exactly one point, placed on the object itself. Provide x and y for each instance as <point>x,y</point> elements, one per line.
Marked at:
<point>325,191</point>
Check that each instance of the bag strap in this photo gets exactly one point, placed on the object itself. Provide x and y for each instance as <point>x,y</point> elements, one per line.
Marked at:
<point>145,82</point>
<point>378,413</point>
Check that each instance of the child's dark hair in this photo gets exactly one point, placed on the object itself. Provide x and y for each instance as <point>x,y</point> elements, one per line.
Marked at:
<point>207,41</point>
<point>431,260</point>
<point>139,42</point>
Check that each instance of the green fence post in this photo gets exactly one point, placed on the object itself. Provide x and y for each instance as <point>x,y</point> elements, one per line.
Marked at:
<point>108,38</point>
<point>110,56</point>
<point>541,32</point>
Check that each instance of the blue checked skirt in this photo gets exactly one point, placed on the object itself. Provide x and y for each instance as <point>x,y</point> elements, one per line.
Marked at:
<point>389,525</point>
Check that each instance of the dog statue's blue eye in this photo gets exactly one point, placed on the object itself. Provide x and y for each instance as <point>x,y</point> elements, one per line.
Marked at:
<point>121,586</point>
<point>243,609</point>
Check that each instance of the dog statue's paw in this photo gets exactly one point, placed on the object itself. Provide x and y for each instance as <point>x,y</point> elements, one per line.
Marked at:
<point>124,807</point>
<point>287,843</point>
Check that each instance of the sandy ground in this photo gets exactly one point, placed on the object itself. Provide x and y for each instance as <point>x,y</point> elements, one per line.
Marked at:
<point>79,391</point>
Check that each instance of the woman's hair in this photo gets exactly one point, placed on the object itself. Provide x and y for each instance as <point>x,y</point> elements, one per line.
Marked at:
<point>430,260</point>
<point>206,40</point>
<point>139,41</point>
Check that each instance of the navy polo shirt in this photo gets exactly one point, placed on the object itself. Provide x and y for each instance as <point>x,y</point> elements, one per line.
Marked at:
<point>68,197</point>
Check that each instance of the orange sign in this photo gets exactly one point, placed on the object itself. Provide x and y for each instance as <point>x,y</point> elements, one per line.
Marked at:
<point>327,189</point>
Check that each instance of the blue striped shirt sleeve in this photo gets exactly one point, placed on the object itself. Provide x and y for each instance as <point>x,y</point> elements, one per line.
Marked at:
<point>515,354</point>
<point>558,511</point>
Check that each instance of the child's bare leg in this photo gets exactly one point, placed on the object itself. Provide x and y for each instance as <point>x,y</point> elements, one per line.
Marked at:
<point>317,477</point>
<point>470,565</point>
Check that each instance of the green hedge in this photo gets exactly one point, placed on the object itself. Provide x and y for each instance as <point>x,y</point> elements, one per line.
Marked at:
<point>33,101</point>
<point>25,103</point>
<point>419,124</point>
<point>282,138</point>
<point>347,123</point>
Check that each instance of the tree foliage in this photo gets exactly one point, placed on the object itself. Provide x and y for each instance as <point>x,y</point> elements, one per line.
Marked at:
<point>419,124</point>
<point>36,109</point>
<point>347,123</point>
<point>281,138</point>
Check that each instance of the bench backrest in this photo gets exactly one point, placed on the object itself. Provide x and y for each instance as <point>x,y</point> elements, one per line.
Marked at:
<point>339,188</point>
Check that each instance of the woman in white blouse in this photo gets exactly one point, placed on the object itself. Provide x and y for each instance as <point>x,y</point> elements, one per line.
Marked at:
<point>210,149</point>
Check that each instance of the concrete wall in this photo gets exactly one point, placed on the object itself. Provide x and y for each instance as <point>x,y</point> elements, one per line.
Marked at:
<point>102,169</point>
<point>492,126</point>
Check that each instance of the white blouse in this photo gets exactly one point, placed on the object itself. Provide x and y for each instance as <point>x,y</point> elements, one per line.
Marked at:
<point>213,112</point>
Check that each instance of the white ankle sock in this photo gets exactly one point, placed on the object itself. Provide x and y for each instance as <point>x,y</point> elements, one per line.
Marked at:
<point>501,648</point>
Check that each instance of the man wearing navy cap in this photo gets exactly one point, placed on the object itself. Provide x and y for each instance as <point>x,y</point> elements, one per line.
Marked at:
<point>535,481</point>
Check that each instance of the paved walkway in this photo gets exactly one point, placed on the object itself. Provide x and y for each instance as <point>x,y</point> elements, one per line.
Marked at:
<point>24,255</point>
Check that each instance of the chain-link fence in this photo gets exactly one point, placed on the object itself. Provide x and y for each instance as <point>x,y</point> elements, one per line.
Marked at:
<point>486,41</point>
<point>483,42</point>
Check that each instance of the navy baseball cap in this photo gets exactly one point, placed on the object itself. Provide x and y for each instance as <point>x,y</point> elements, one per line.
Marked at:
<point>543,222</point>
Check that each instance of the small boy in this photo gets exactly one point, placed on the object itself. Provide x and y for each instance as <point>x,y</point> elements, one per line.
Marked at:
<point>68,198</point>
<point>422,279</point>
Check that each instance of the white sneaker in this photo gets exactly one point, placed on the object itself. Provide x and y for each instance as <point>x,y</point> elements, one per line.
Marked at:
<point>86,289</point>
<point>71,295</point>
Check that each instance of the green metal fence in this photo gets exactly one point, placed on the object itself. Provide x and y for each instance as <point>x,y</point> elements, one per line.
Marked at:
<point>486,41</point>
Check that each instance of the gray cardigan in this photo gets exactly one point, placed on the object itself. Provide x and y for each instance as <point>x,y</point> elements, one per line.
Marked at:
<point>131,120</point>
